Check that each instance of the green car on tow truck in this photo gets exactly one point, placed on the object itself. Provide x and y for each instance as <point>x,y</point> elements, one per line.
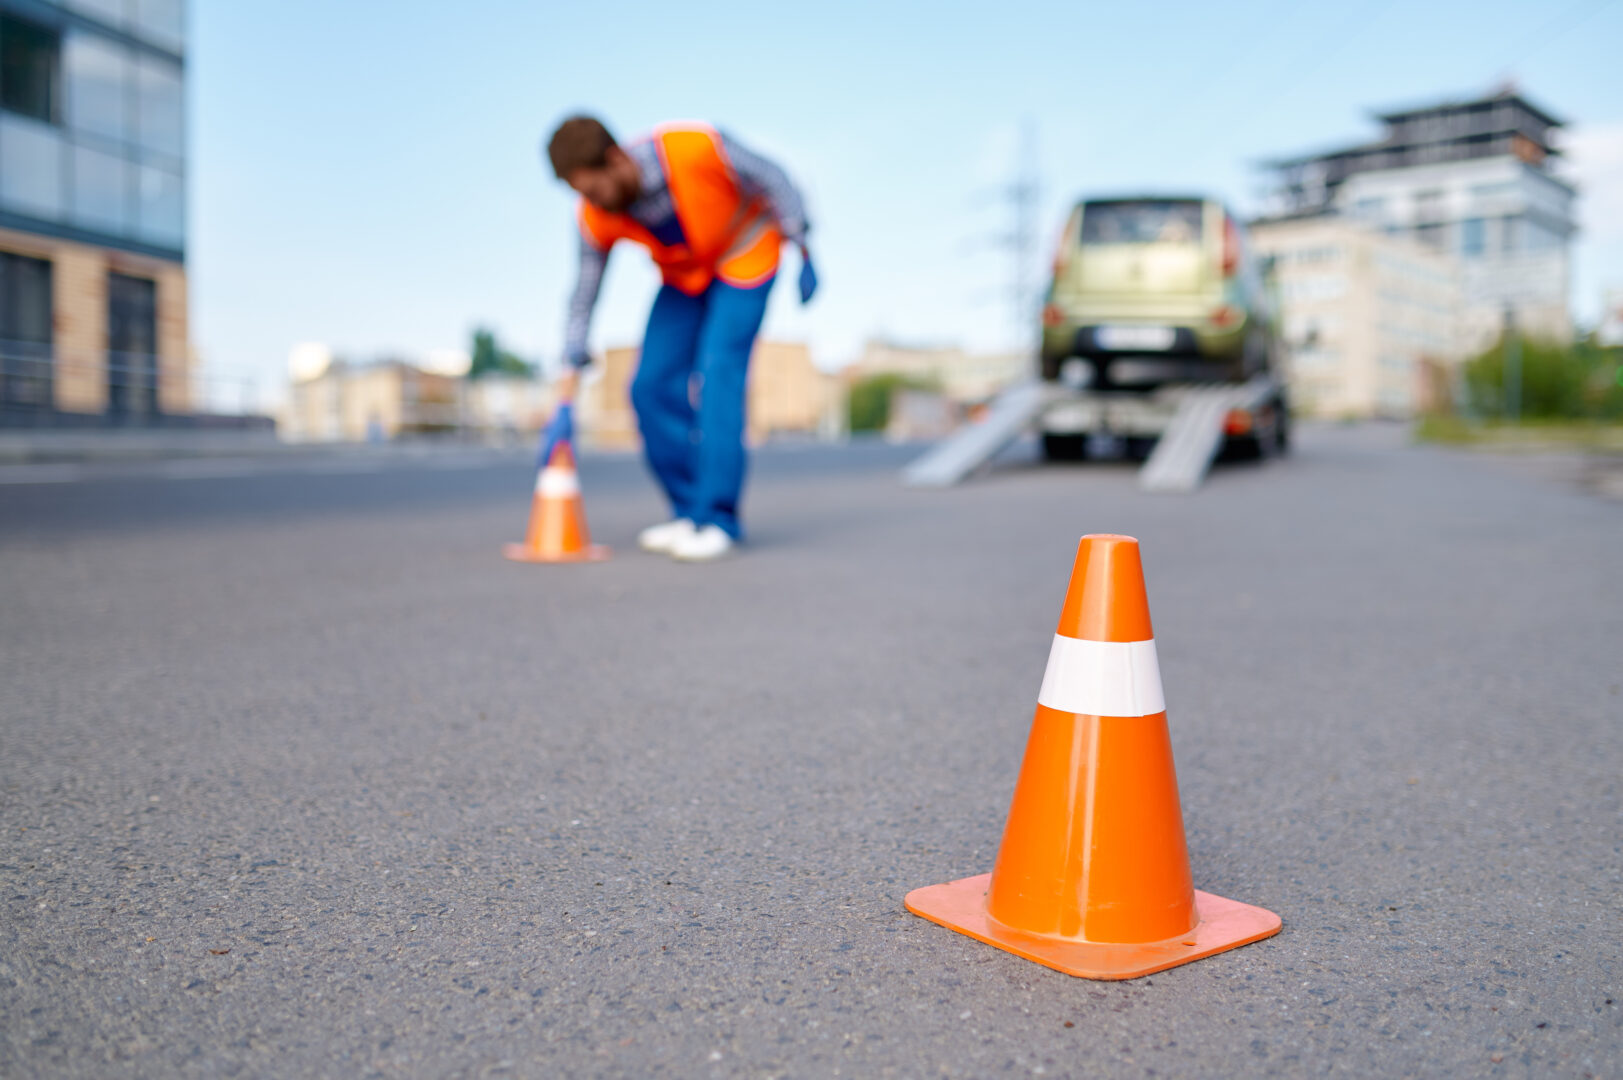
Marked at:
<point>1151,292</point>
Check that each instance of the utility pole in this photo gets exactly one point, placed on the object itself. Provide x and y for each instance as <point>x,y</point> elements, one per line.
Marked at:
<point>1021,196</point>
<point>1513,369</point>
<point>1024,195</point>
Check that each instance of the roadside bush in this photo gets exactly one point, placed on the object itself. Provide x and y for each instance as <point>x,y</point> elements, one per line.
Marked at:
<point>868,408</point>
<point>1566,382</point>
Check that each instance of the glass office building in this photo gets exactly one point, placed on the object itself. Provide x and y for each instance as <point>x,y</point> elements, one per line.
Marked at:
<point>92,210</point>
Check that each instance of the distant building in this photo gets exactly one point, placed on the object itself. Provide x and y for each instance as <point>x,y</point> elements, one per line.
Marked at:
<point>1472,179</point>
<point>920,414</point>
<point>964,378</point>
<point>603,407</point>
<point>93,307</point>
<point>506,407</point>
<point>1369,319</point>
<point>371,402</point>
<point>790,395</point>
<point>787,395</point>
<point>1610,330</point>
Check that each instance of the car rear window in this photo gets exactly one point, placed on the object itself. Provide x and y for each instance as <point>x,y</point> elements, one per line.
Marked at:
<point>1142,221</point>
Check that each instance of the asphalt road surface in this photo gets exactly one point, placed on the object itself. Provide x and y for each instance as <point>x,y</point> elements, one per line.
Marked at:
<point>299,777</point>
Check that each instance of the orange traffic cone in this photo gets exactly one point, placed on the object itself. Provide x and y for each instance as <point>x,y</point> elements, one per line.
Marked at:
<point>557,531</point>
<point>1092,878</point>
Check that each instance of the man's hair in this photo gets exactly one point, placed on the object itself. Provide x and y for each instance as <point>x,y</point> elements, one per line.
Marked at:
<point>581,142</point>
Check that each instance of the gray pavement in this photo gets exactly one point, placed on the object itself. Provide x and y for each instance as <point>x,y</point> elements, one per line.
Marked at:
<point>299,777</point>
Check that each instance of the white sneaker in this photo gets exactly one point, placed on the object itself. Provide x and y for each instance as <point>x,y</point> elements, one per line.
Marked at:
<point>702,545</point>
<point>662,539</point>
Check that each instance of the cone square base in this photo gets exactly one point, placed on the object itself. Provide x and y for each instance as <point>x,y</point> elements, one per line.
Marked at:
<point>1224,924</point>
<point>590,553</point>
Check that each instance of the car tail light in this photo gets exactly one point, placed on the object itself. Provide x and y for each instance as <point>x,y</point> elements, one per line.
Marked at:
<point>1231,247</point>
<point>1052,315</point>
<point>1225,316</point>
<point>1237,422</point>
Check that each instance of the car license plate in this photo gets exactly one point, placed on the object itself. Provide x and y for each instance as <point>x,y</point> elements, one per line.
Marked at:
<point>1134,338</point>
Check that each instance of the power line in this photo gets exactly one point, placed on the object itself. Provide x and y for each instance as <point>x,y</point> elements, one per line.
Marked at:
<point>1547,33</point>
<point>1323,51</point>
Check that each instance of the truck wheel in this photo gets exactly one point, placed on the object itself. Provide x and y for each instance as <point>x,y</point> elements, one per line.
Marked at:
<point>1140,447</point>
<point>1065,447</point>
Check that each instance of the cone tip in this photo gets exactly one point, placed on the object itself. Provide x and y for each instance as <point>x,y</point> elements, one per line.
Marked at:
<point>1106,600</point>
<point>1107,539</point>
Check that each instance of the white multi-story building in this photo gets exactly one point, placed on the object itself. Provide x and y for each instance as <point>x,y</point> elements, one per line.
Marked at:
<point>1370,321</point>
<point>1470,179</point>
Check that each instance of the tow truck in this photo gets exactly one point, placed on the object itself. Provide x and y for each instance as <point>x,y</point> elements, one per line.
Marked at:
<point>1158,337</point>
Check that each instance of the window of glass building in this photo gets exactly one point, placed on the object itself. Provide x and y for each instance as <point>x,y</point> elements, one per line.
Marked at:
<point>29,61</point>
<point>161,214</point>
<point>107,11</point>
<point>132,344</point>
<point>101,187</point>
<point>1499,190</point>
<point>25,300</point>
<point>162,22</point>
<point>26,330</point>
<point>159,106</point>
<point>1370,209</point>
<point>98,80</point>
<point>30,167</point>
<point>1535,237</point>
<point>1473,236</point>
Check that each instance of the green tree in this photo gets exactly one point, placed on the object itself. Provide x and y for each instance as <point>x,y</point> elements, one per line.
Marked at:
<point>1558,382</point>
<point>489,357</point>
<point>868,408</point>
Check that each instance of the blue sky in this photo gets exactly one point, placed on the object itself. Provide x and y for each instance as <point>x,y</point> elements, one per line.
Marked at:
<point>368,173</point>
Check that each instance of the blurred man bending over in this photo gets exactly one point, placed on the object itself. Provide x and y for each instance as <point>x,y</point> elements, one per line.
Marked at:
<point>713,214</point>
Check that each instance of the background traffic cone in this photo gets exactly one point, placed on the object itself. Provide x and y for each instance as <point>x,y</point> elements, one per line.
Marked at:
<point>1092,877</point>
<point>557,531</point>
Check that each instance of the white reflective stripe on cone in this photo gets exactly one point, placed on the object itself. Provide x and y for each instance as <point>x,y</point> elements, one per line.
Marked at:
<point>557,483</point>
<point>1102,678</point>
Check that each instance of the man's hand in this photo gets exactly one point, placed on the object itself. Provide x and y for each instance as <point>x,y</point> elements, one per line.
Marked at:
<point>568,385</point>
<point>808,276</point>
<point>560,429</point>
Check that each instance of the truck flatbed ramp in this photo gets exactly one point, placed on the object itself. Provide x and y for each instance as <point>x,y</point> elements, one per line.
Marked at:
<point>1185,452</point>
<point>954,458</point>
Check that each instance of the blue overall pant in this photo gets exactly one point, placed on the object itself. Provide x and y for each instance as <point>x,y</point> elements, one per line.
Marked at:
<point>695,448</point>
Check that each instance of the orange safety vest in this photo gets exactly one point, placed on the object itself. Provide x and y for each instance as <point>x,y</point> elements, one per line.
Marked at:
<point>728,235</point>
